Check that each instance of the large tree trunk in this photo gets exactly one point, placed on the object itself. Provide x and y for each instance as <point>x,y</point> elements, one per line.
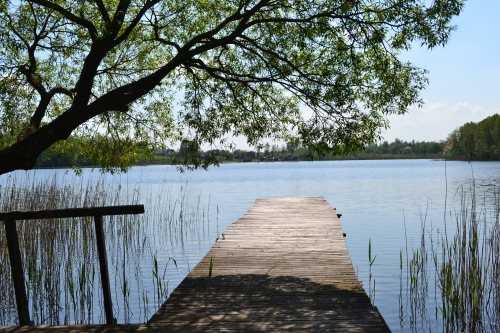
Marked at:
<point>23,154</point>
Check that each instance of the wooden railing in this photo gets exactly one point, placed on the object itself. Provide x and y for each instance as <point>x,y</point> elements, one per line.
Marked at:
<point>15,253</point>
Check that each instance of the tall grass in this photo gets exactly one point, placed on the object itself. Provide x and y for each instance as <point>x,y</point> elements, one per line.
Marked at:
<point>468,272</point>
<point>459,267</point>
<point>60,257</point>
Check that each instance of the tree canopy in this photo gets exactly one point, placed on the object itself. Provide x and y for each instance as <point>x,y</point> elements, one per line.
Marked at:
<point>478,140</point>
<point>127,76</point>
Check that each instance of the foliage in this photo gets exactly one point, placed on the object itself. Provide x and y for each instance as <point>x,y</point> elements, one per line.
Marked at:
<point>478,140</point>
<point>384,150</point>
<point>192,154</point>
<point>109,71</point>
<point>238,154</point>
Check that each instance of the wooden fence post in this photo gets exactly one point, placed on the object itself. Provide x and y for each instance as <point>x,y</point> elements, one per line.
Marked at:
<point>16,265</point>
<point>103,263</point>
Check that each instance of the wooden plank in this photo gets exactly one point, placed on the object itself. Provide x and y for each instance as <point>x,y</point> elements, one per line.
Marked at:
<point>73,212</point>
<point>71,329</point>
<point>283,266</point>
<point>16,264</point>
<point>103,266</point>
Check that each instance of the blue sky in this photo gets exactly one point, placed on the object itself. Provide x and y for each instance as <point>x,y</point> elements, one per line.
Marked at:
<point>464,77</point>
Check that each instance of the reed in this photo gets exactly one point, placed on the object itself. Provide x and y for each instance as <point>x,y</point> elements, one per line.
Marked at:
<point>468,272</point>
<point>60,257</point>
<point>210,267</point>
<point>461,265</point>
<point>371,261</point>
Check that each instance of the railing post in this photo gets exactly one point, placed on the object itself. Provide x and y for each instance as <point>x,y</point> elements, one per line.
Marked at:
<point>103,263</point>
<point>16,265</point>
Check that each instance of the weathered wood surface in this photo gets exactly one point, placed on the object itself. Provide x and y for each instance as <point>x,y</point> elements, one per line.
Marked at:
<point>71,329</point>
<point>283,266</point>
<point>73,212</point>
<point>10,218</point>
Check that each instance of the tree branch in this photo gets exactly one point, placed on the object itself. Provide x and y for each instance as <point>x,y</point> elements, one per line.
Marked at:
<point>119,16</point>
<point>135,21</point>
<point>104,12</point>
<point>237,16</point>
<point>69,15</point>
<point>45,99</point>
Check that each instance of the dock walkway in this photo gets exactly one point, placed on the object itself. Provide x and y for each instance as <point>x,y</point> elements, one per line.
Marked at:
<point>281,267</point>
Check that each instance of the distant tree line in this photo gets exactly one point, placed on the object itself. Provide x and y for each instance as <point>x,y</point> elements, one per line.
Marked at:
<point>268,152</point>
<point>293,151</point>
<point>385,150</point>
<point>477,141</point>
<point>409,148</point>
<point>472,141</point>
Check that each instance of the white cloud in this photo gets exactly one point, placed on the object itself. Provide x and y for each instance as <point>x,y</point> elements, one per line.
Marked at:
<point>434,121</point>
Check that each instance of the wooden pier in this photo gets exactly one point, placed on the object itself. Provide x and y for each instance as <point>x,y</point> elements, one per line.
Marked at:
<point>281,267</point>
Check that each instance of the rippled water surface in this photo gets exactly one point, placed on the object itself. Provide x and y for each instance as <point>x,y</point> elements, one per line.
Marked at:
<point>384,201</point>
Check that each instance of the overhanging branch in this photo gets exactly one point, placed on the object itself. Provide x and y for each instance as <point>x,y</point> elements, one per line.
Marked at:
<point>69,15</point>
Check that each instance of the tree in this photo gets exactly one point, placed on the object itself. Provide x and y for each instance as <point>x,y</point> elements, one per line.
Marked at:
<point>407,150</point>
<point>478,140</point>
<point>292,145</point>
<point>226,154</point>
<point>239,154</point>
<point>109,72</point>
<point>189,152</point>
<point>385,147</point>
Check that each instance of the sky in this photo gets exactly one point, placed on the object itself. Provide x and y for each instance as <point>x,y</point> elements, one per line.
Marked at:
<point>464,77</point>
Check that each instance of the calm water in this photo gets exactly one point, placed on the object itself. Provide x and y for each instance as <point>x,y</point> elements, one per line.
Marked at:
<point>377,200</point>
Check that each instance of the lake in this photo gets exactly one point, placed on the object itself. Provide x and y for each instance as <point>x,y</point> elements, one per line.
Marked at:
<point>384,201</point>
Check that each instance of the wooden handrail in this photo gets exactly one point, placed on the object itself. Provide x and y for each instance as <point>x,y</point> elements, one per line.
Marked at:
<point>72,212</point>
<point>10,218</point>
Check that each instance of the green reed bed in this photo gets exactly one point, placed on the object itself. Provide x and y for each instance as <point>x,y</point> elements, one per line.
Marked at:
<point>60,257</point>
<point>459,267</point>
